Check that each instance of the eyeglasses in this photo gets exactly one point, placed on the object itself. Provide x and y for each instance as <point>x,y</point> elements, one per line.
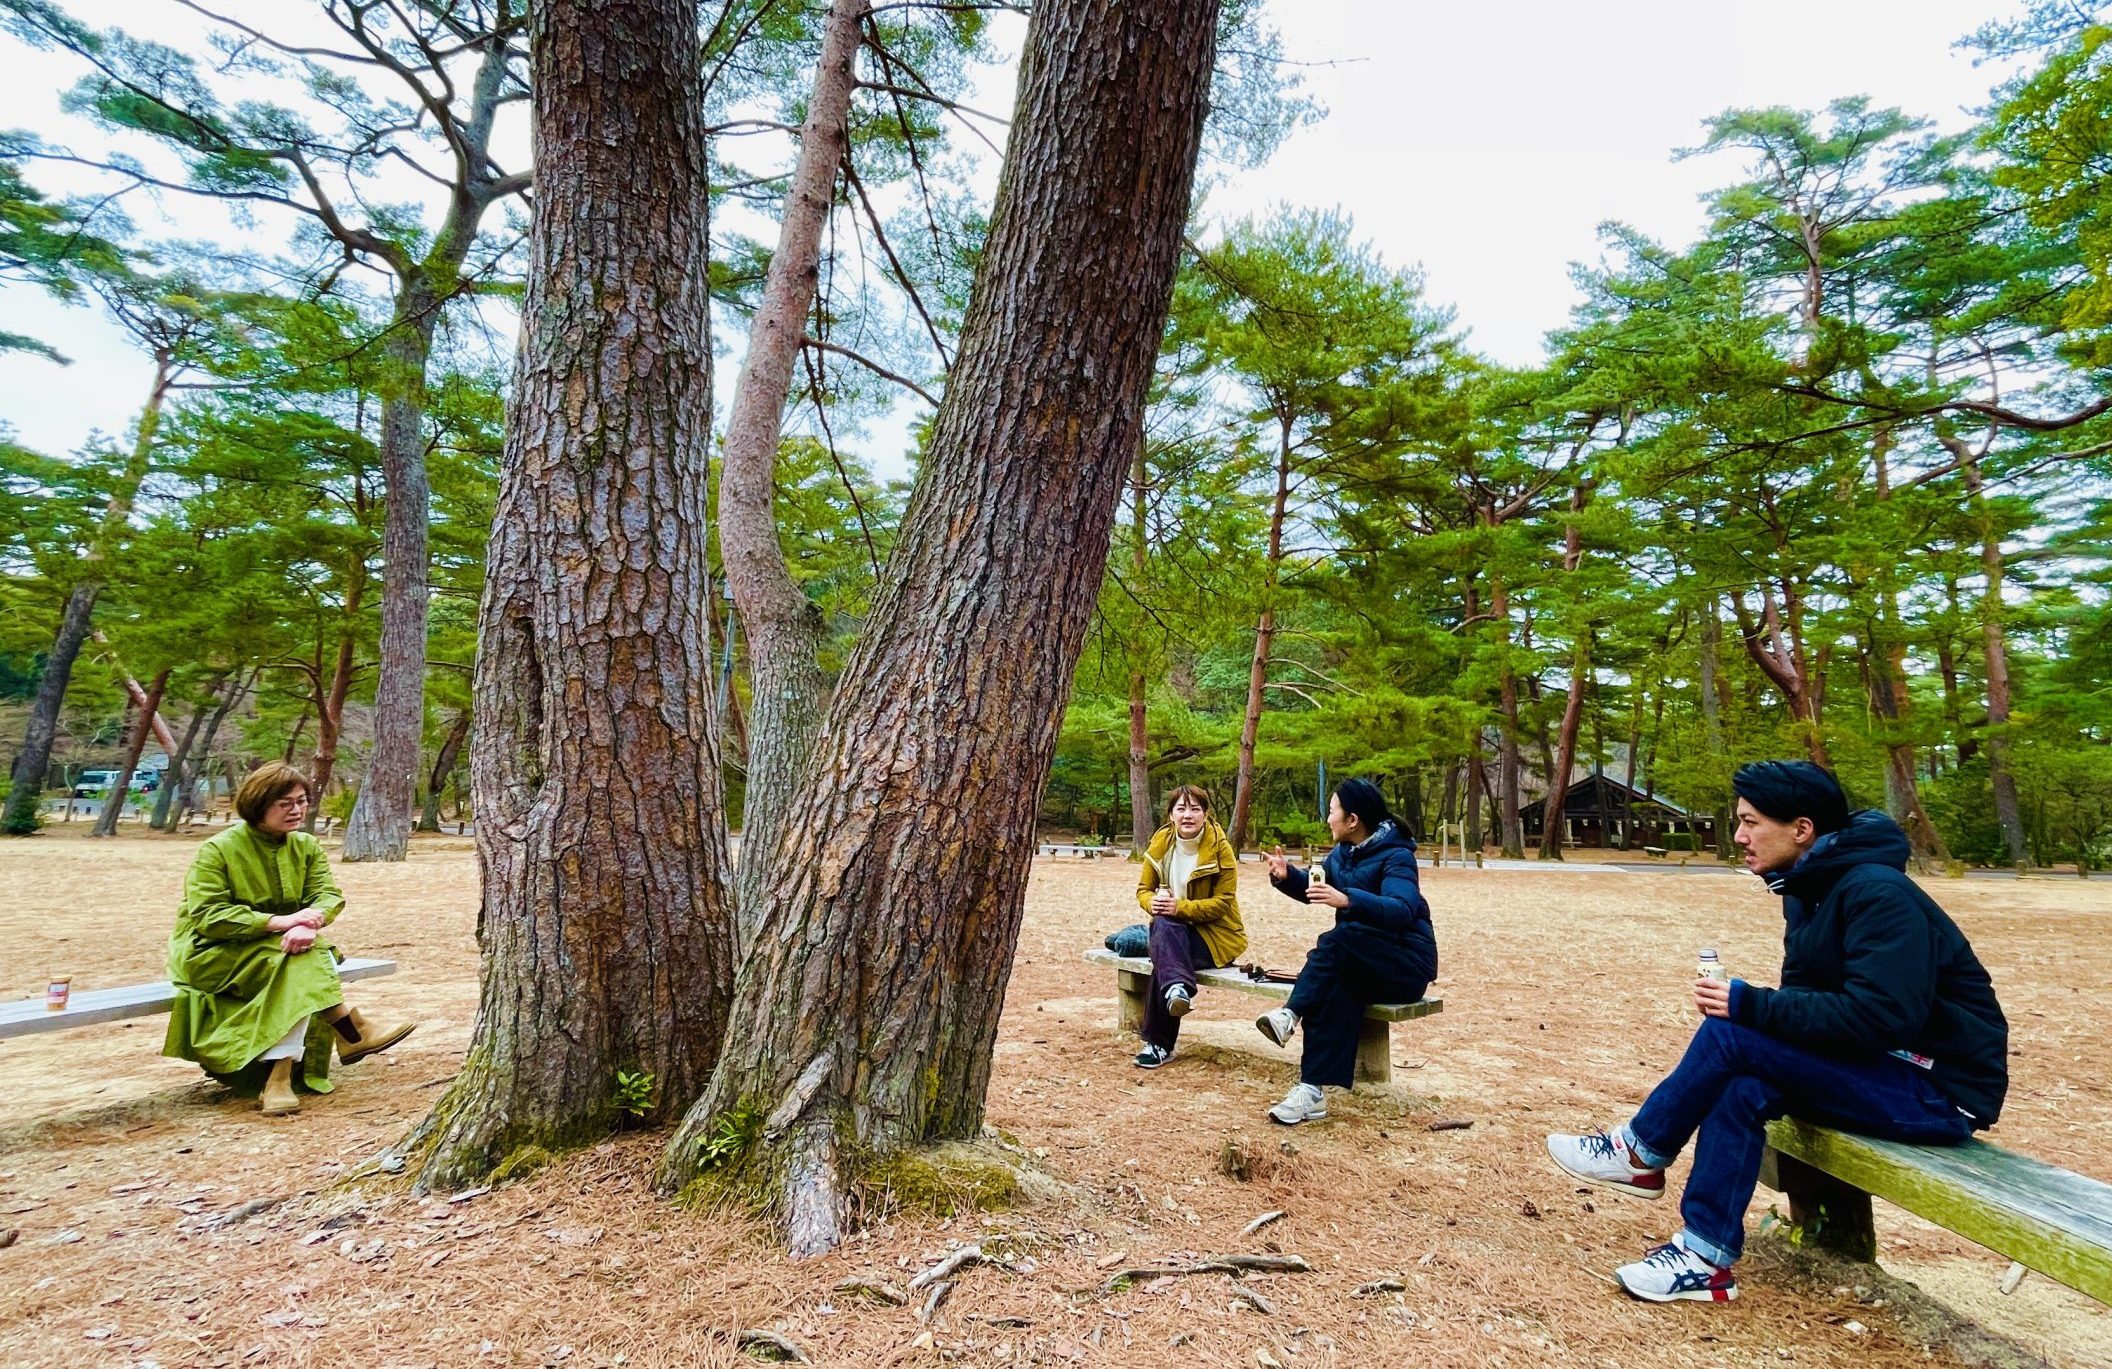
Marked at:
<point>292,801</point>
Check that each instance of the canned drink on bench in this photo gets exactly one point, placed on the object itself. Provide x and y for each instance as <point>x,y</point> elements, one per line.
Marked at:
<point>57,992</point>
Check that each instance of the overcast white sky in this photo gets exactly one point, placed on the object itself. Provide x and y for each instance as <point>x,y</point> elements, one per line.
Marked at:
<point>1484,141</point>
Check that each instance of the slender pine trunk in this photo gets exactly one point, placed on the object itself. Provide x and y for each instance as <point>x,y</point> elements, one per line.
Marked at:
<point>1264,638</point>
<point>114,806</point>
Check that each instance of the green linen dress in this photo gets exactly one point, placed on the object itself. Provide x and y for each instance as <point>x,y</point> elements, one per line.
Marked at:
<point>237,992</point>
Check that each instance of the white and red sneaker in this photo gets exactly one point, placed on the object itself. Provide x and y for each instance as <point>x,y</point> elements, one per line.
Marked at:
<point>1673,1273</point>
<point>1603,1159</point>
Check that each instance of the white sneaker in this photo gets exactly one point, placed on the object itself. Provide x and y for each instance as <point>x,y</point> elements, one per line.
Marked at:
<point>1278,1024</point>
<point>1673,1273</point>
<point>1604,1158</point>
<point>1179,999</point>
<point>1304,1103</point>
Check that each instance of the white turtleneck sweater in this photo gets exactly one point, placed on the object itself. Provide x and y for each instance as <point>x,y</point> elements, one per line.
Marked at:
<point>1180,862</point>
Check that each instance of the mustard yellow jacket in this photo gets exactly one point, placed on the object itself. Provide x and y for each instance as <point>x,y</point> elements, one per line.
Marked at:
<point>1211,900</point>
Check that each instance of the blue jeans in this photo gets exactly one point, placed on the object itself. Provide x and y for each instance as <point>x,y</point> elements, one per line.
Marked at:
<point>1733,1081</point>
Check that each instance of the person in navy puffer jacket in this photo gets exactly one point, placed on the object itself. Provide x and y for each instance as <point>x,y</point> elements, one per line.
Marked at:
<point>1380,950</point>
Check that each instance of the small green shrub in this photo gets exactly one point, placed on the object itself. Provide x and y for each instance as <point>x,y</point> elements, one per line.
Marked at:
<point>634,1092</point>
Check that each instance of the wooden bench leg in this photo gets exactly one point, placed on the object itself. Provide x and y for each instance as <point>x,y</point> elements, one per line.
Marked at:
<point>1374,1052</point>
<point>1830,1214</point>
<point>1130,989</point>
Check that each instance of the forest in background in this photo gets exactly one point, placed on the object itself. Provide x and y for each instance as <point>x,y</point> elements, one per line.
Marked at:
<point>1833,480</point>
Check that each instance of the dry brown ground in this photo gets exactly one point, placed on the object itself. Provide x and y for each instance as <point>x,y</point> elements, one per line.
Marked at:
<point>1565,1000</point>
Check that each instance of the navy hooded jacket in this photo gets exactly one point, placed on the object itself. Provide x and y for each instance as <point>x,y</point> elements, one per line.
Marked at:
<point>1378,877</point>
<point>1871,964</point>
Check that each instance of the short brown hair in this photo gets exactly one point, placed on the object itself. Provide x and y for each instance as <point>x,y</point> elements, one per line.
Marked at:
<point>1187,791</point>
<point>265,786</point>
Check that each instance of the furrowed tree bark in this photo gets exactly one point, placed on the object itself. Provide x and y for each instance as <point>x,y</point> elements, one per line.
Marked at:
<point>1264,637</point>
<point>866,1011</point>
<point>113,806</point>
<point>784,627</point>
<point>606,931</point>
<point>77,621</point>
<point>380,825</point>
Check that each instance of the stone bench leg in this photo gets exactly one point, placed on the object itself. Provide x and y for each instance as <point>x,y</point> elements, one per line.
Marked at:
<point>1832,1215</point>
<point>1374,1052</point>
<point>1130,988</point>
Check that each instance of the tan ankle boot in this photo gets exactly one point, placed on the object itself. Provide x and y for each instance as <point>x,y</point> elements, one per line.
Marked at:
<point>357,1038</point>
<point>278,1097</point>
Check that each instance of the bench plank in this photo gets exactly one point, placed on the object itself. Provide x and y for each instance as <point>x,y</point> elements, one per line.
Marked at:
<point>2044,1217</point>
<point>29,1016</point>
<point>1233,979</point>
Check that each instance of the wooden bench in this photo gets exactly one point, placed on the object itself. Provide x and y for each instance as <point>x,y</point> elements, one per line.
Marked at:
<point>1374,1034</point>
<point>2039,1215</point>
<point>29,1016</point>
<point>1059,848</point>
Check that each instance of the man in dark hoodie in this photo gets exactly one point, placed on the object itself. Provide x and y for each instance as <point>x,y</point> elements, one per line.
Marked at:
<point>1886,1024</point>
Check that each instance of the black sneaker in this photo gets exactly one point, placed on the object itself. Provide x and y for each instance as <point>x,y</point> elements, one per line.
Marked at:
<point>1151,1057</point>
<point>1179,999</point>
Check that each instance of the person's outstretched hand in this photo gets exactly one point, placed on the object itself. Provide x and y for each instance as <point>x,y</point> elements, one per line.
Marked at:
<point>1279,864</point>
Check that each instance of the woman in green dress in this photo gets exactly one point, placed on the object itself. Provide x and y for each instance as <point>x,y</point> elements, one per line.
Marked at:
<point>249,960</point>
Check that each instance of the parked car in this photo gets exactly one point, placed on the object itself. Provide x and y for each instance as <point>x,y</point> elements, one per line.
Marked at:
<point>91,783</point>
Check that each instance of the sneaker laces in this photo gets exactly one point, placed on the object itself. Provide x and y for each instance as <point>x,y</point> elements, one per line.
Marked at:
<point>1671,1255</point>
<point>1599,1145</point>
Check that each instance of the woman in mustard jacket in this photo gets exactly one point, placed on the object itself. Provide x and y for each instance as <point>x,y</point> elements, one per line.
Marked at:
<point>1190,886</point>
<point>248,957</point>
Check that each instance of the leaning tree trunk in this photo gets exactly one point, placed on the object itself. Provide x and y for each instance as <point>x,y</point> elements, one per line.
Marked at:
<point>866,1013</point>
<point>443,767</point>
<point>172,777</point>
<point>783,625</point>
<point>34,759</point>
<point>605,927</point>
<point>1264,639</point>
<point>330,717</point>
<point>114,806</point>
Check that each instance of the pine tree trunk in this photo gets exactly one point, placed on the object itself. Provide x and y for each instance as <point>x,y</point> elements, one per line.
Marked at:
<point>1143,818</point>
<point>1264,639</point>
<point>1511,830</point>
<point>172,777</point>
<point>2009,814</point>
<point>443,767</point>
<point>380,825</point>
<point>76,622</point>
<point>865,1016</point>
<point>114,806</point>
<point>606,929</point>
<point>330,717</point>
<point>202,762</point>
<point>784,627</point>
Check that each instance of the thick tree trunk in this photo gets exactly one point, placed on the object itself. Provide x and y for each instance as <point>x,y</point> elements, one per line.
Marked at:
<point>443,768</point>
<point>35,756</point>
<point>114,806</point>
<point>75,623</point>
<point>606,930</point>
<point>866,1013</point>
<point>380,826</point>
<point>784,627</point>
<point>1264,638</point>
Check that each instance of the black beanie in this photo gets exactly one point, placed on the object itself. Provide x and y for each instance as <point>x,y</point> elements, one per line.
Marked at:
<point>1362,800</point>
<point>1788,790</point>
